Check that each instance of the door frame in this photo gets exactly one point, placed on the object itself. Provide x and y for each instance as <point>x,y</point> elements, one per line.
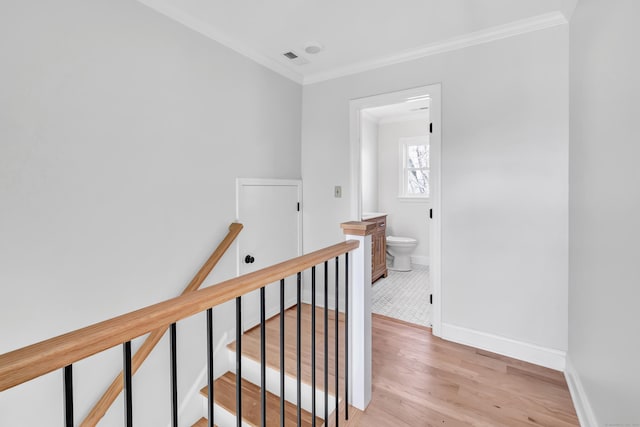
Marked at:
<point>268,182</point>
<point>435,231</point>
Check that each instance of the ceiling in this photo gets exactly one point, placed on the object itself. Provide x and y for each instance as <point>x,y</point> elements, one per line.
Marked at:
<point>357,34</point>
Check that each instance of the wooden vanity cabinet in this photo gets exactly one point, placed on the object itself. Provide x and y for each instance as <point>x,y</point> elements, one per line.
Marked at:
<point>379,248</point>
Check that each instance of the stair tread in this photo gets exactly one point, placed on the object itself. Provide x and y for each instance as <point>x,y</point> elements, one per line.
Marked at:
<point>251,345</point>
<point>202,422</point>
<point>225,396</point>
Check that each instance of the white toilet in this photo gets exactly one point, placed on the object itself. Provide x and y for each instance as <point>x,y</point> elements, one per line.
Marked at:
<point>401,249</point>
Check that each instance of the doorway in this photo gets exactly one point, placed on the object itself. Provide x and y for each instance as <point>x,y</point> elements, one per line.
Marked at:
<point>269,210</point>
<point>405,119</point>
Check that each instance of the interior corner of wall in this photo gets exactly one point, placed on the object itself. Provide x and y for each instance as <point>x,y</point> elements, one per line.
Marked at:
<point>586,416</point>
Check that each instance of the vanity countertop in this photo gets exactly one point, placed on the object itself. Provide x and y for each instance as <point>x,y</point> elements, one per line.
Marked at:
<point>368,215</point>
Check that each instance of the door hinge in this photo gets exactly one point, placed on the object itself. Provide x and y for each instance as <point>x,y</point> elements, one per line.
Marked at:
<point>430,213</point>
<point>430,127</point>
<point>430,298</point>
<point>298,206</point>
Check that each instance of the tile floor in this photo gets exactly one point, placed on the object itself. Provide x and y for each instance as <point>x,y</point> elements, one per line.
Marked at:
<point>404,295</point>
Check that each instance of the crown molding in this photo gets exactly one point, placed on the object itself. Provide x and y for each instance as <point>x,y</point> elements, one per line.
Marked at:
<point>487,35</point>
<point>209,31</point>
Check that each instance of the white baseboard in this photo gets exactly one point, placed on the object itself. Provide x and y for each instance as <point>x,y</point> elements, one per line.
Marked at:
<point>586,416</point>
<point>547,357</point>
<point>420,260</point>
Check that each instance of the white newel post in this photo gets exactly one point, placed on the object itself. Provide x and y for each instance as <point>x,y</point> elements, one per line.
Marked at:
<point>360,312</point>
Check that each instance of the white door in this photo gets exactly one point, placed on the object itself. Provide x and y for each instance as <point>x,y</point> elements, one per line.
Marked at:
<point>270,213</point>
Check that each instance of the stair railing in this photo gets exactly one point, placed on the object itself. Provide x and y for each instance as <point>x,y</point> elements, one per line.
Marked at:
<point>106,400</point>
<point>27,363</point>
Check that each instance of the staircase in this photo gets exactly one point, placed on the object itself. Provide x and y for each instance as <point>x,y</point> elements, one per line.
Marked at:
<point>225,385</point>
<point>305,388</point>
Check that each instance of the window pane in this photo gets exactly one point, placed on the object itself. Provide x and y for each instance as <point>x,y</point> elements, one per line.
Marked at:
<point>418,182</point>
<point>418,156</point>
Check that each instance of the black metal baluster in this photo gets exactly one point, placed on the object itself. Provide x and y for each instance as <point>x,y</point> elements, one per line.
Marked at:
<point>263,363</point>
<point>67,379</point>
<point>126,374</point>
<point>239,361</point>
<point>326,342</point>
<point>346,335</point>
<point>282,353</point>
<point>174,375</point>
<point>210,398</point>
<point>313,346</point>
<point>299,348</point>
<point>337,288</point>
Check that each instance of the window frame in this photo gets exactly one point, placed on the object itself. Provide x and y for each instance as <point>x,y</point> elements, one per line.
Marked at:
<point>403,169</point>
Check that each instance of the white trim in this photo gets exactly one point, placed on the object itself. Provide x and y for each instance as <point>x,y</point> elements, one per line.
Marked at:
<point>269,182</point>
<point>355,109</point>
<point>548,357</point>
<point>360,347</point>
<point>407,117</point>
<point>409,199</point>
<point>420,260</point>
<point>486,35</point>
<point>586,416</point>
<point>435,197</point>
<point>215,34</point>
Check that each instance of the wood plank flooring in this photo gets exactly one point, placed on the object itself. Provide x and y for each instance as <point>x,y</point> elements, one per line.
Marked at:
<point>421,380</point>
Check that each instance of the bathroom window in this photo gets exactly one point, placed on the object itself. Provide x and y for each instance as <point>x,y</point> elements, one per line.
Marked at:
<point>414,167</point>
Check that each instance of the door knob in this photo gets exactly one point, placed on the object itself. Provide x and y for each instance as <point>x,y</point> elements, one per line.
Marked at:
<point>249,259</point>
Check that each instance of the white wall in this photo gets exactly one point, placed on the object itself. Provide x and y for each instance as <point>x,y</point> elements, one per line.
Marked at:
<point>369,141</point>
<point>504,177</point>
<point>408,218</point>
<point>604,325</point>
<point>121,135</point>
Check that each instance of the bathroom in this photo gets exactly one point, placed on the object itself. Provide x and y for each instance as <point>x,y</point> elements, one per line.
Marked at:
<point>395,182</point>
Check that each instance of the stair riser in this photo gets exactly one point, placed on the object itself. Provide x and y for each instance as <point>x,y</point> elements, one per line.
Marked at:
<point>223,418</point>
<point>251,372</point>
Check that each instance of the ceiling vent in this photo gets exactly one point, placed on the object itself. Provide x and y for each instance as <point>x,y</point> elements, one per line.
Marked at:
<point>295,58</point>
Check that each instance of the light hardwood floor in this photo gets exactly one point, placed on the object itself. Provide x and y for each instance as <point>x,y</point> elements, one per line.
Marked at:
<point>421,380</point>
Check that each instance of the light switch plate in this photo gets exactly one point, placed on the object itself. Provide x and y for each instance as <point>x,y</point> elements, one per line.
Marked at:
<point>337,192</point>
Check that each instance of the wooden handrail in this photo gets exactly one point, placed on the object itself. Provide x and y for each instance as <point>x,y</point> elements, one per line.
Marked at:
<point>27,363</point>
<point>115,388</point>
